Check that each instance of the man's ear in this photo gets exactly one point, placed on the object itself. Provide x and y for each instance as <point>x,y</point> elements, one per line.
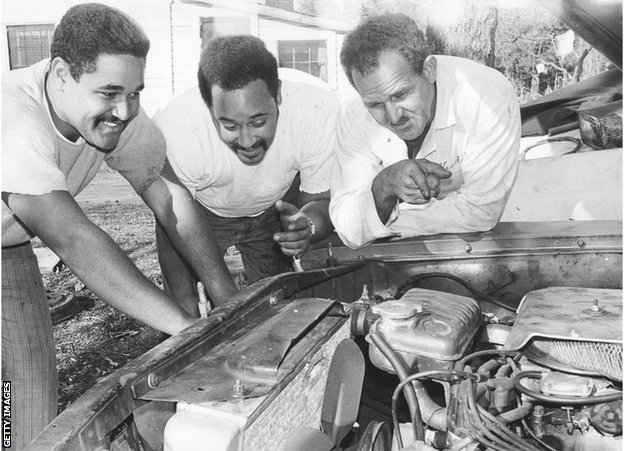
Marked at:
<point>60,71</point>
<point>430,69</point>
<point>278,99</point>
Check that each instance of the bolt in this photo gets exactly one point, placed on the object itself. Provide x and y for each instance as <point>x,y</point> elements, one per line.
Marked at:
<point>238,388</point>
<point>153,380</point>
<point>580,242</point>
<point>273,300</point>
<point>595,307</point>
<point>468,248</point>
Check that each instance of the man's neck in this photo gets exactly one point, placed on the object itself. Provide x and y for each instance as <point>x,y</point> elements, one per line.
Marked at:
<point>413,146</point>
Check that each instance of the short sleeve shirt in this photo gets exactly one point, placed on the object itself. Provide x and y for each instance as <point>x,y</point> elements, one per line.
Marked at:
<point>304,142</point>
<point>37,159</point>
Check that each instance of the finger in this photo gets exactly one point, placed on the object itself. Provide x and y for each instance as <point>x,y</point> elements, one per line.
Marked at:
<point>294,248</point>
<point>295,223</point>
<point>420,201</point>
<point>419,178</point>
<point>415,198</point>
<point>298,246</point>
<point>434,168</point>
<point>291,237</point>
<point>286,208</point>
<point>434,182</point>
<point>292,252</point>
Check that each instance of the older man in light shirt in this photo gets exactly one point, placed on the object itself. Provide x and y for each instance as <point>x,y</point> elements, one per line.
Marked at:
<point>428,144</point>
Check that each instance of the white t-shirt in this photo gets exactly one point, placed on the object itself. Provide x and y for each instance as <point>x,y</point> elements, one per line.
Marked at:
<point>304,142</point>
<point>37,159</point>
<point>475,134</point>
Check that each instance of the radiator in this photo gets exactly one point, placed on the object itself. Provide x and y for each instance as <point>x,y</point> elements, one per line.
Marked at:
<point>261,423</point>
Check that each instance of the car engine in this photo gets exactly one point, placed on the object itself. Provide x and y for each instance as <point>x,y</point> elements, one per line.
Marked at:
<point>546,375</point>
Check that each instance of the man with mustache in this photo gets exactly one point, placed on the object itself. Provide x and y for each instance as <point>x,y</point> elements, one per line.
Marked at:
<point>428,144</point>
<point>61,118</point>
<point>238,141</point>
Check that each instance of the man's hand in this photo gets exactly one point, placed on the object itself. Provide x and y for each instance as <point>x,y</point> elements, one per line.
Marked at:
<point>412,181</point>
<point>297,234</point>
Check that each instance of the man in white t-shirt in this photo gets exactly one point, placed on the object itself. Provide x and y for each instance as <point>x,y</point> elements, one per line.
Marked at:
<point>61,118</point>
<point>428,144</point>
<point>238,141</point>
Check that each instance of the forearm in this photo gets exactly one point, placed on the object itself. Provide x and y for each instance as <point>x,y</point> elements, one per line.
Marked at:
<point>355,219</point>
<point>113,278</point>
<point>97,260</point>
<point>456,213</point>
<point>384,201</point>
<point>195,242</point>
<point>178,278</point>
<point>190,234</point>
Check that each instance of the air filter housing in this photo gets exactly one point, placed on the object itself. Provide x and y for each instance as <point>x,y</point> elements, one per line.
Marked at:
<point>575,330</point>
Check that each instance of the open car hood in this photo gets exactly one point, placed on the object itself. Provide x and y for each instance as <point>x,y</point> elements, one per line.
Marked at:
<point>598,22</point>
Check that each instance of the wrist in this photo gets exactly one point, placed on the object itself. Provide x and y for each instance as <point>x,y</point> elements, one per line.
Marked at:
<point>311,227</point>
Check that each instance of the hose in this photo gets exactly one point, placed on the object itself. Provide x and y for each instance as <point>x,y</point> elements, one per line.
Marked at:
<point>475,425</point>
<point>516,414</point>
<point>413,378</point>
<point>559,400</point>
<point>478,294</point>
<point>410,394</point>
<point>497,433</point>
<point>511,436</point>
<point>460,364</point>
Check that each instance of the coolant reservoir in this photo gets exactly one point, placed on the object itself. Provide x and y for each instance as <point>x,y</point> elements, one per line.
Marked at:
<point>429,329</point>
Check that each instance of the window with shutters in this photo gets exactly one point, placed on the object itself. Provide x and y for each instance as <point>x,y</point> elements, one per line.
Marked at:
<point>28,44</point>
<point>306,56</point>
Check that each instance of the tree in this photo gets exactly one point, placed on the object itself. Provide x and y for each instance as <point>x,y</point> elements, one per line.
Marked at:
<point>464,28</point>
<point>527,52</point>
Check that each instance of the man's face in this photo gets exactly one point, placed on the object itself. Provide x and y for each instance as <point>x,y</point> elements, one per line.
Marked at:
<point>246,119</point>
<point>101,104</point>
<point>398,98</point>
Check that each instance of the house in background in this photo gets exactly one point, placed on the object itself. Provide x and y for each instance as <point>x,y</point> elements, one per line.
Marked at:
<point>177,30</point>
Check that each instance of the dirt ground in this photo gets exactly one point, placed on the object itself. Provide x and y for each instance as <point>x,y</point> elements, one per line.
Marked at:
<point>99,339</point>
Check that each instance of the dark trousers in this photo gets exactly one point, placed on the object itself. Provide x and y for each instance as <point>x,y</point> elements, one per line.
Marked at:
<point>253,237</point>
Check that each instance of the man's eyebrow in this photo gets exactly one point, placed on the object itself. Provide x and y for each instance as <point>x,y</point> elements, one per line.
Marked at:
<point>255,116</point>
<point>119,88</point>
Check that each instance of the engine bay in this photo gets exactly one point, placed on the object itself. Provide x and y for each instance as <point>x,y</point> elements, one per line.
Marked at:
<point>504,340</point>
<point>545,378</point>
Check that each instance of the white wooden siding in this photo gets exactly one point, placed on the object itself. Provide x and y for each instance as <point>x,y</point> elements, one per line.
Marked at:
<point>152,15</point>
<point>173,28</point>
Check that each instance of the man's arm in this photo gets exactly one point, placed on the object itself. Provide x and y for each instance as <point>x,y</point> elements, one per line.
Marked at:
<point>352,207</point>
<point>299,224</point>
<point>412,181</point>
<point>97,260</point>
<point>487,174</point>
<point>190,235</point>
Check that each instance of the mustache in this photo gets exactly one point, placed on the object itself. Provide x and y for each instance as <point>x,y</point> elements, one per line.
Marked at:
<point>402,121</point>
<point>110,118</point>
<point>259,144</point>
